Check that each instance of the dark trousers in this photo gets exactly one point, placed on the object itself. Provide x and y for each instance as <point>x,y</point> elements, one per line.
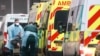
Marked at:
<point>8,53</point>
<point>30,49</point>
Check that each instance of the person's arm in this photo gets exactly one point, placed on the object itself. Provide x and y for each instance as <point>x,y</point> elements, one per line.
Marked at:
<point>9,33</point>
<point>22,31</point>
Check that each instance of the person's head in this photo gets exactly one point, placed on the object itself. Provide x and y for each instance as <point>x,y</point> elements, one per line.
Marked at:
<point>16,21</point>
<point>35,23</point>
<point>30,22</point>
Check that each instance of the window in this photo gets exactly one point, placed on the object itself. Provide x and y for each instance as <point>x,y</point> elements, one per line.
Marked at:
<point>22,24</point>
<point>5,7</point>
<point>20,6</point>
<point>61,17</point>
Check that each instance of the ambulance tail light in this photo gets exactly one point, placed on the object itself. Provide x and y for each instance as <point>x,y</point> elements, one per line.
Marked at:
<point>49,40</point>
<point>5,37</point>
<point>81,50</point>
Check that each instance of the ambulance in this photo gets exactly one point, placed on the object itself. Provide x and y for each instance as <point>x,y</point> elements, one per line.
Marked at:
<point>56,13</point>
<point>36,15</point>
<point>7,21</point>
<point>39,17</point>
<point>84,17</point>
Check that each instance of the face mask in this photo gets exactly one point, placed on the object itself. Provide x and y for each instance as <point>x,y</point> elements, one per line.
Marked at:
<point>17,23</point>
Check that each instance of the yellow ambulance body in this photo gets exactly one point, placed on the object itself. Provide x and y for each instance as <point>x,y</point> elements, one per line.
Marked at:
<point>53,39</point>
<point>85,17</point>
<point>36,15</point>
<point>42,7</point>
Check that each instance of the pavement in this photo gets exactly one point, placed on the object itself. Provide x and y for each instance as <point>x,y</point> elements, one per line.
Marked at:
<point>1,41</point>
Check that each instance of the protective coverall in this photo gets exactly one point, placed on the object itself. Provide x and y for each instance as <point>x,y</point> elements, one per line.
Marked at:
<point>29,41</point>
<point>13,31</point>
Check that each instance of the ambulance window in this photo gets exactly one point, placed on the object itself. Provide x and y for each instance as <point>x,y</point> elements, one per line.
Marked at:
<point>22,24</point>
<point>9,23</point>
<point>61,17</point>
